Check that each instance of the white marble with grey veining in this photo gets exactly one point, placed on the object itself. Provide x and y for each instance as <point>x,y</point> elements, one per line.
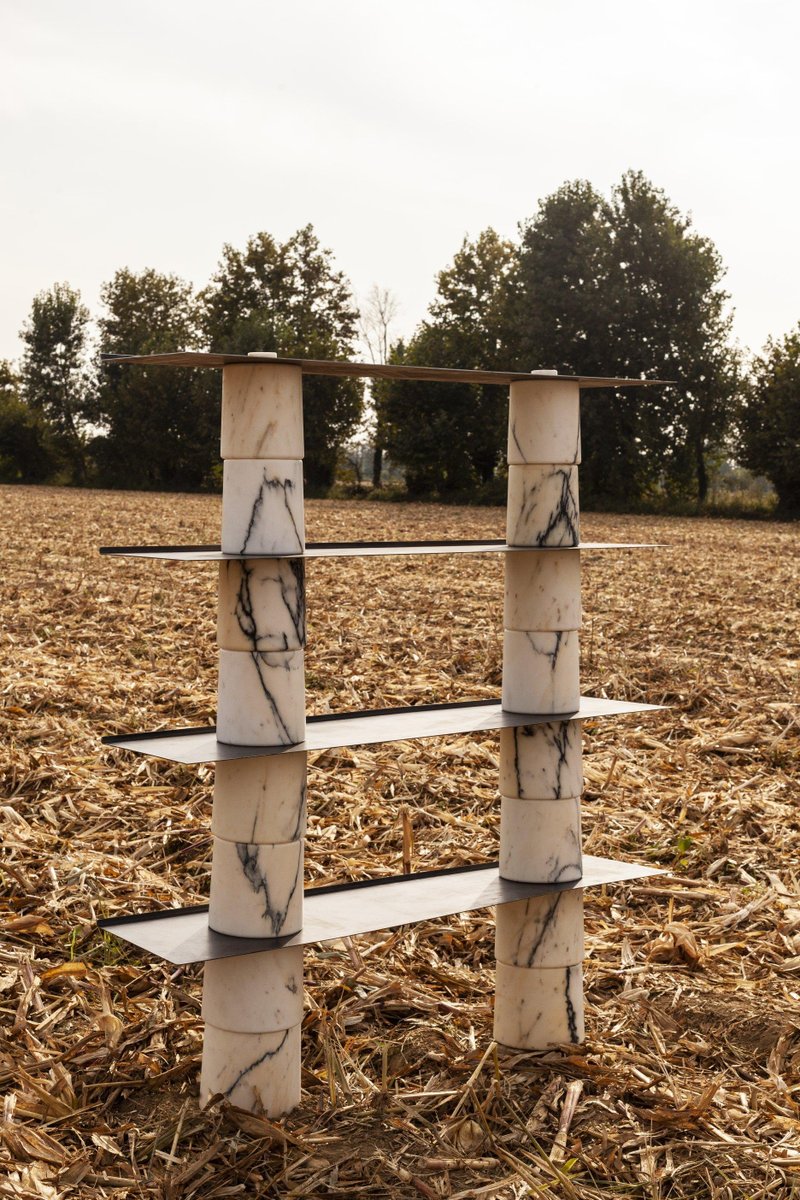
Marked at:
<point>256,890</point>
<point>537,1007</point>
<point>541,671</point>
<point>544,931</point>
<point>259,1072</point>
<point>261,604</point>
<point>261,698</point>
<point>540,840</point>
<point>542,762</point>
<point>542,506</point>
<point>260,799</point>
<point>262,411</point>
<point>262,506</point>
<point>543,590</point>
<point>255,993</point>
<point>544,422</point>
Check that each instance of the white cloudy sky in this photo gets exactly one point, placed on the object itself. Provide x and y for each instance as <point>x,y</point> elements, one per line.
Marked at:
<point>148,132</point>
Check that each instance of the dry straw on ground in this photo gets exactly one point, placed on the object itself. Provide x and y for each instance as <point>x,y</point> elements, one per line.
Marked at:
<point>688,1082</point>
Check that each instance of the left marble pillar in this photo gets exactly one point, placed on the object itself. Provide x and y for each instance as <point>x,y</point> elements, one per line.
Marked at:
<point>252,1003</point>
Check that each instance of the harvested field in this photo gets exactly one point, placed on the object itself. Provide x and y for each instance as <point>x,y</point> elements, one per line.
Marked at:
<point>688,1084</point>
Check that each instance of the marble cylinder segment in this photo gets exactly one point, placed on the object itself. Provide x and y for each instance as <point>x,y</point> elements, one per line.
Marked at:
<point>256,889</point>
<point>259,1072</point>
<point>262,411</point>
<point>541,762</point>
<point>544,931</point>
<point>261,698</point>
<point>541,671</point>
<point>543,590</point>
<point>540,840</point>
<point>260,799</point>
<point>538,1007</point>
<point>542,506</point>
<point>261,604</point>
<point>262,506</point>
<point>544,423</point>
<point>255,993</point>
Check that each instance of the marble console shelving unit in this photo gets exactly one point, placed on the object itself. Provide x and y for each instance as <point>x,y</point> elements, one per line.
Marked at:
<point>251,934</point>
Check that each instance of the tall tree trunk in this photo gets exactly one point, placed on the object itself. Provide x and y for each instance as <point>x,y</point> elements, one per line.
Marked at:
<point>377,466</point>
<point>702,472</point>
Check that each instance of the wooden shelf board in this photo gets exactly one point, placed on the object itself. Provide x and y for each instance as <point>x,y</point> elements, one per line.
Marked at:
<point>345,910</point>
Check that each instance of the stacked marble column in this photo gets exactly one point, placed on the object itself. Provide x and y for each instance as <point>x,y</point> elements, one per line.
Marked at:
<point>252,1004</point>
<point>539,942</point>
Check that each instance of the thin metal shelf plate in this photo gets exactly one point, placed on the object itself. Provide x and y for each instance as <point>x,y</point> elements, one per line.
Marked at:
<point>335,730</point>
<point>358,550</point>
<point>345,910</point>
<point>341,367</point>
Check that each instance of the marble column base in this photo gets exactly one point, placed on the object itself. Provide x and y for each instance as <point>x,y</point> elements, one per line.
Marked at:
<point>261,698</point>
<point>262,411</point>
<point>260,799</point>
<point>261,604</point>
<point>259,1072</point>
<point>540,840</point>
<point>262,506</point>
<point>544,422</point>
<point>542,762</point>
<point>543,590</point>
<point>545,931</point>
<point>541,671</point>
<point>254,993</point>
<point>256,890</point>
<point>542,506</point>
<point>538,1007</point>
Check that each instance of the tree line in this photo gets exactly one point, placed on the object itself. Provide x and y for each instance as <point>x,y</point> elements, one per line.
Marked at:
<point>594,285</point>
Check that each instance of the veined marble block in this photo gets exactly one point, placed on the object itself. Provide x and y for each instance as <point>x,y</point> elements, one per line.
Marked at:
<point>543,590</point>
<point>262,412</point>
<point>260,799</point>
<point>262,506</point>
<point>256,1071</point>
<point>541,671</point>
<point>540,840</point>
<point>261,604</point>
<point>542,506</point>
<point>541,762</point>
<point>261,698</point>
<point>255,993</point>
<point>256,890</point>
<point>544,423</point>
<point>545,931</point>
<point>538,1007</point>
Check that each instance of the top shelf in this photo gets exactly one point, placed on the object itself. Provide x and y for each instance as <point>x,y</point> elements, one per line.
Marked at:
<point>337,367</point>
<point>357,550</point>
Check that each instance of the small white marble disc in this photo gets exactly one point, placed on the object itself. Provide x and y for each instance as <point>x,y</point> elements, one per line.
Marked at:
<point>544,931</point>
<point>259,1072</point>
<point>262,506</point>
<point>255,993</point>
<point>261,698</point>
<point>542,506</point>
<point>260,799</point>
<point>262,411</point>
<point>261,604</point>
<point>543,590</point>
<point>256,890</point>
<point>538,1007</point>
<point>544,423</point>
<point>542,762</point>
<point>541,672</point>
<point>540,840</point>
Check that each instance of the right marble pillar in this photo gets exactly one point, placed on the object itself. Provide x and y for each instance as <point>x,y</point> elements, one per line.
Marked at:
<point>539,942</point>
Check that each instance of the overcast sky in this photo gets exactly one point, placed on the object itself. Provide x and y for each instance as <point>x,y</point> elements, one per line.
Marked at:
<point>140,133</point>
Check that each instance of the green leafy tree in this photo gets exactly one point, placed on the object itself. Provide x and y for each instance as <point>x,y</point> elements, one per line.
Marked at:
<point>626,287</point>
<point>289,297</point>
<point>450,437</point>
<point>56,378</point>
<point>160,426</point>
<point>26,452</point>
<point>769,419</point>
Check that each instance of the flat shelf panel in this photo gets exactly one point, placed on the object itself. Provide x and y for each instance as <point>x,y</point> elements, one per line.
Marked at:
<point>345,910</point>
<point>358,550</point>
<point>341,367</point>
<point>334,730</point>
